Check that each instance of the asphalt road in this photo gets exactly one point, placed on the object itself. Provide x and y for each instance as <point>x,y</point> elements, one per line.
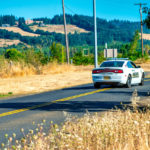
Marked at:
<point>56,106</point>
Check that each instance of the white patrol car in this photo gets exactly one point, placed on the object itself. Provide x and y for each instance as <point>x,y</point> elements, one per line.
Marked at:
<point>118,71</point>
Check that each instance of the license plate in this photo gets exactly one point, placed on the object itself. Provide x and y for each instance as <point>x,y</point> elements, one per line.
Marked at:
<point>106,77</point>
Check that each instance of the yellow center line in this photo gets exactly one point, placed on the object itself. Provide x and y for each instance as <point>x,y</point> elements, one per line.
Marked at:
<point>147,80</point>
<point>52,102</point>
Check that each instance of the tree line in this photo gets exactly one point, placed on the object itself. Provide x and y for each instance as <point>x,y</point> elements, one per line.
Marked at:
<point>108,31</point>
<point>8,19</point>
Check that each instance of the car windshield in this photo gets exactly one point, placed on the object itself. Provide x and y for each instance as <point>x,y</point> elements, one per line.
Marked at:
<point>112,64</point>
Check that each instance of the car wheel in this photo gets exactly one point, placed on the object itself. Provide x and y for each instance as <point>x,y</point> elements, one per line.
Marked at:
<point>128,84</point>
<point>142,80</point>
<point>96,85</point>
<point>114,85</point>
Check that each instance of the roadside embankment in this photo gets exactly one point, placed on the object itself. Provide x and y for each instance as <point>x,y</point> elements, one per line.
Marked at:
<point>51,78</point>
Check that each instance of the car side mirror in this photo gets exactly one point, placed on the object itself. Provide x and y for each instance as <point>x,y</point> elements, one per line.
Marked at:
<point>138,67</point>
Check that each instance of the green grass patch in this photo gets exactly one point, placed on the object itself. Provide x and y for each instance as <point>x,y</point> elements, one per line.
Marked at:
<point>6,94</point>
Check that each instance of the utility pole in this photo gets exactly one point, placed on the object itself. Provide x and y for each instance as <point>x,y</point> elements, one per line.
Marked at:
<point>65,29</point>
<point>95,32</point>
<point>140,4</point>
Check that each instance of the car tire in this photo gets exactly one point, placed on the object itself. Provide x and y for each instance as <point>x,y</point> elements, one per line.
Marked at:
<point>142,81</point>
<point>114,85</point>
<point>128,84</point>
<point>97,85</point>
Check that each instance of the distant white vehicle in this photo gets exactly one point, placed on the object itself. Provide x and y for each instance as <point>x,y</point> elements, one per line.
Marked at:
<point>118,72</point>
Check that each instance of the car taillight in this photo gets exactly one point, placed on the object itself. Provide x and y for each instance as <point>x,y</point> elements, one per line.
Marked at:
<point>107,70</point>
<point>97,71</point>
<point>118,71</point>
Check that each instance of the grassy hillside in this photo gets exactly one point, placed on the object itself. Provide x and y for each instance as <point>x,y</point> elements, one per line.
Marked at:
<point>146,36</point>
<point>59,28</point>
<point>18,30</point>
<point>114,32</point>
<point>8,42</point>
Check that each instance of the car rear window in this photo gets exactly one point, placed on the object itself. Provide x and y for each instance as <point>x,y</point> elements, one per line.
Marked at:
<point>112,64</point>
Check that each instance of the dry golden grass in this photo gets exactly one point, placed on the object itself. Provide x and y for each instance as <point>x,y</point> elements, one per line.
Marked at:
<point>59,28</point>
<point>145,64</point>
<point>15,69</point>
<point>7,42</point>
<point>18,30</point>
<point>118,130</point>
<point>23,79</point>
<point>145,36</point>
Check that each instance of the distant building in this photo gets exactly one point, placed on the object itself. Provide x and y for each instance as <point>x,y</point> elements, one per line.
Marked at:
<point>40,22</point>
<point>16,22</point>
<point>29,21</point>
<point>41,25</point>
<point>5,25</point>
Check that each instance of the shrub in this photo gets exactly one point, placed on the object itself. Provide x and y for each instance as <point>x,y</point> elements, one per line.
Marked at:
<point>13,54</point>
<point>79,59</point>
<point>57,52</point>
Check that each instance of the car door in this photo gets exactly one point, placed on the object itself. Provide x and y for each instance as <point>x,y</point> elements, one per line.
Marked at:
<point>134,72</point>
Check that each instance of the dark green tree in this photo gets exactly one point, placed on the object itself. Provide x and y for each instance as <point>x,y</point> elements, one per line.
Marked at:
<point>147,20</point>
<point>8,19</point>
<point>134,43</point>
<point>21,21</point>
<point>57,52</point>
<point>13,54</point>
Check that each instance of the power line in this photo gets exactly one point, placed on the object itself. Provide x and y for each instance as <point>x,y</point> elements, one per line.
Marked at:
<point>90,23</point>
<point>77,13</point>
<point>70,9</point>
<point>85,19</point>
<point>141,4</point>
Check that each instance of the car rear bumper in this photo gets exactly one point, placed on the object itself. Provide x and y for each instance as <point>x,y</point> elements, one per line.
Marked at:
<point>112,80</point>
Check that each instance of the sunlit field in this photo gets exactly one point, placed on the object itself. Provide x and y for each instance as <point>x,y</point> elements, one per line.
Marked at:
<point>10,69</point>
<point>21,79</point>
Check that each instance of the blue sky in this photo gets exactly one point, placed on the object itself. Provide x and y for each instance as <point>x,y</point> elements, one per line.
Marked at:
<point>106,9</point>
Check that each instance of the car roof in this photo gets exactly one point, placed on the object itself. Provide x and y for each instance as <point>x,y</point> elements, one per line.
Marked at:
<point>117,59</point>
